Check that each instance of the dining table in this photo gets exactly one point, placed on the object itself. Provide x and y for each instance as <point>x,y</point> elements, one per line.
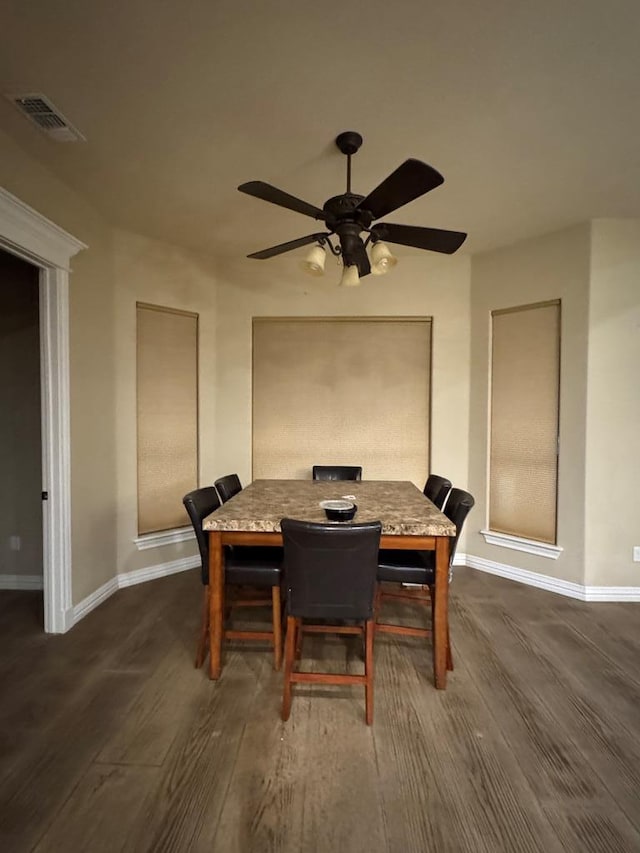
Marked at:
<point>409,521</point>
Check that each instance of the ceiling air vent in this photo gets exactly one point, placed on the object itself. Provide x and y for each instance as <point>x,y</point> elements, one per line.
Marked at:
<point>39,109</point>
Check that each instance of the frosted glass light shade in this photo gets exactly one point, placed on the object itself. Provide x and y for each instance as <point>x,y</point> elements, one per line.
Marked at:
<point>314,261</point>
<point>350,277</point>
<point>381,258</point>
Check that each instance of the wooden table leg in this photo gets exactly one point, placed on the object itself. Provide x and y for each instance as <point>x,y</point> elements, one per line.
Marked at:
<point>441,613</point>
<point>216,603</point>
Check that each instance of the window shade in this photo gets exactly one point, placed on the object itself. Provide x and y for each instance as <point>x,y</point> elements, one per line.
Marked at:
<point>167,415</point>
<point>334,391</point>
<point>525,375</point>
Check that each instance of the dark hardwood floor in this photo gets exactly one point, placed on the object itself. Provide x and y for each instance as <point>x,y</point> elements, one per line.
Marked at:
<point>110,740</point>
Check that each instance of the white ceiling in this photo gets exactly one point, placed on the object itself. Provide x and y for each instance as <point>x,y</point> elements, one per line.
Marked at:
<point>529,109</point>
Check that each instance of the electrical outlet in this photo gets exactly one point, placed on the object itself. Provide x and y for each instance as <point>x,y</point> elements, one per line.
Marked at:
<point>14,543</point>
<point>636,553</point>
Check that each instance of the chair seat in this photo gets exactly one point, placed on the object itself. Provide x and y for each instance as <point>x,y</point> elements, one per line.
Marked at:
<point>253,565</point>
<point>398,566</point>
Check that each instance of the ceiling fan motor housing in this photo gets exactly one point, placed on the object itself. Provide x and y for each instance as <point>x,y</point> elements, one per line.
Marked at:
<point>344,218</point>
<point>344,209</point>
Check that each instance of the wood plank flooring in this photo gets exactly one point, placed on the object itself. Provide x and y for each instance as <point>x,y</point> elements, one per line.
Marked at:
<point>111,741</point>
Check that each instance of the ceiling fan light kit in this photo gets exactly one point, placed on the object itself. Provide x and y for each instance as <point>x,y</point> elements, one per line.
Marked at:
<point>349,216</point>
<point>314,261</point>
<point>350,277</point>
<point>382,259</point>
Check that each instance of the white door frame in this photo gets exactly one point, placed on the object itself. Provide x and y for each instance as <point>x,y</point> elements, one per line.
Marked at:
<point>33,237</point>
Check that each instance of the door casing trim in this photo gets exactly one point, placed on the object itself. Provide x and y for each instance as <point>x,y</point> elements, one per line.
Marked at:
<point>30,235</point>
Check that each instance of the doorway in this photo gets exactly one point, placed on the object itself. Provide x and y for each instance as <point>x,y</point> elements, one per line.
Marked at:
<point>21,540</point>
<point>32,237</point>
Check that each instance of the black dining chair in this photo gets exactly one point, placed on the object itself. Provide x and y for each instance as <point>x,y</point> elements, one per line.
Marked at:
<point>246,566</point>
<point>329,576</point>
<point>228,486</point>
<point>418,567</point>
<point>437,489</point>
<point>337,472</point>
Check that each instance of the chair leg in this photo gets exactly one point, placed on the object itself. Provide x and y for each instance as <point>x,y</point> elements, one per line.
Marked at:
<point>369,631</point>
<point>289,656</point>
<point>377,599</point>
<point>276,616</point>
<point>203,639</point>
<point>298,643</point>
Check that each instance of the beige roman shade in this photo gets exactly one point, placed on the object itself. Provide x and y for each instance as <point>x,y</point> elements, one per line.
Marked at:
<point>525,376</point>
<point>350,391</point>
<point>167,412</point>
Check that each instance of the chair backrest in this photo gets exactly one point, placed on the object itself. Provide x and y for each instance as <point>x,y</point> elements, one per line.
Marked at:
<point>436,489</point>
<point>457,509</point>
<point>330,570</point>
<point>199,504</point>
<point>228,487</point>
<point>337,472</point>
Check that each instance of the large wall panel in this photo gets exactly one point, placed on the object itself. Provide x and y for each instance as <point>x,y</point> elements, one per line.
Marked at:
<point>341,391</point>
<point>167,415</point>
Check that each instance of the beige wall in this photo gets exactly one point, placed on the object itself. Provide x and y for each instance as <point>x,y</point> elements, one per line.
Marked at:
<point>599,404</point>
<point>116,270</point>
<point>420,285</point>
<point>613,405</point>
<point>92,374</point>
<point>555,266</point>
<point>148,271</point>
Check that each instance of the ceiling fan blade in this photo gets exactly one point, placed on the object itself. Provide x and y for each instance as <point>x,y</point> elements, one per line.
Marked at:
<point>287,247</point>
<point>410,180</point>
<point>266,192</point>
<point>433,239</point>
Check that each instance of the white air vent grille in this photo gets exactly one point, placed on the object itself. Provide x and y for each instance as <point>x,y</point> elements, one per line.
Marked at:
<point>39,109</point>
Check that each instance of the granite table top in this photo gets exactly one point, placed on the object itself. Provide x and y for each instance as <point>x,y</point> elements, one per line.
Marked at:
<point>398,504</point>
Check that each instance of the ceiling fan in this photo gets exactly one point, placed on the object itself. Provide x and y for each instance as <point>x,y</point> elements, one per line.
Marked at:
<point>350,215</point>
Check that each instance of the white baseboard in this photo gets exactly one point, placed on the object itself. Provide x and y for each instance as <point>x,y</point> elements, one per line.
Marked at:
<point>92,601</point>
<point>125,579</point>
<point>612,593</point>
<point>162,570</point>
<point>164,537</point>
<point>21,582</point>
<point>551,584</point>
<point>547,582</point>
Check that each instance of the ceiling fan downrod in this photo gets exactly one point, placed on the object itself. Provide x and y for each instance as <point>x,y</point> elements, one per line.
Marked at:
<point>349,142</point>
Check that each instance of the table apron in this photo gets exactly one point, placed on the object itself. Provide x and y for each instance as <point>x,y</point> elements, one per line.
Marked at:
<point>237,537</point>
<point>396,541</point>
